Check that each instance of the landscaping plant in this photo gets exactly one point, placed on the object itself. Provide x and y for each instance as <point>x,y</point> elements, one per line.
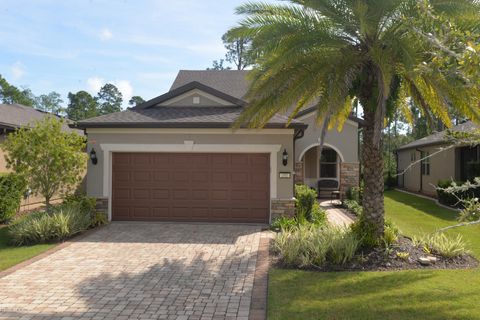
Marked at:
<point>50,158</point>
<point>12,188</point>
<point>307,246</point>
<point>42,227</point>
<point>443,245</point>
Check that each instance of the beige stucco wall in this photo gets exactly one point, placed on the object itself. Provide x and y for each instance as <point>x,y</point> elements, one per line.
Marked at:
<point>3,165</point>
<point>283,137</point>
<point>345,142</point>
<point>442,167</point>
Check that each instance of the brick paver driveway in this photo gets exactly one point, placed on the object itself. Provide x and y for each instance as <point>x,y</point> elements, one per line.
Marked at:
<point>140,271</point>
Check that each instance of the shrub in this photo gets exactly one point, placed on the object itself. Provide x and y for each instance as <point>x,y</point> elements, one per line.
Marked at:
<point>443,245</point>
<point>353,206</point>
<point>306,198</point>
<point>84,203</point>
<point>314,246</point>
<point>355,194</point>
<point>284,223</point>
<point>40,227</point>
<point>99,219</point>
<point>390,234</point>
<point>12,188</point>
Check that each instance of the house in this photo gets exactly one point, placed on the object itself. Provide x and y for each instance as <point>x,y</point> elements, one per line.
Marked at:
<point>176,157</point>
<point>459,163</point>
<point>12,117</point>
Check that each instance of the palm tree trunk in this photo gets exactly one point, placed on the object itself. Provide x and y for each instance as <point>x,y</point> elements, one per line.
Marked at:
<point>372,158</point>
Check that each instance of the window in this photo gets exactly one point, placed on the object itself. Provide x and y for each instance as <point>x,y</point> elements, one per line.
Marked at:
<point>425,163</point>
<point>328,164</point>
<point>413,156</point>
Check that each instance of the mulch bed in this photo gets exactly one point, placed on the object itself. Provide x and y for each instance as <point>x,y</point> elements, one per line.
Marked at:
<point>380,259</point>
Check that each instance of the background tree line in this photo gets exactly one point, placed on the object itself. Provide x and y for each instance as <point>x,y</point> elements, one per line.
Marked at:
<point>80,105</point>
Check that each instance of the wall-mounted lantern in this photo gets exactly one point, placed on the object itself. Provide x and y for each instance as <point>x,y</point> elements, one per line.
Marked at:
<point>93,157</point>
<point>285,157</point>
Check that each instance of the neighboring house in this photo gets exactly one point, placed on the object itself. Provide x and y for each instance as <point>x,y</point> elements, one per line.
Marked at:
<point>176,157</point>
<point>457,163</point>
<point>12,117</point>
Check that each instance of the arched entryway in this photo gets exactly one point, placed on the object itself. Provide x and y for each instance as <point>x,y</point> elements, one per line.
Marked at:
<point>318,167</point>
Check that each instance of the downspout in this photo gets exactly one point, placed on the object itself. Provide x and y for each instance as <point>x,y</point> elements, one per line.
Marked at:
<point>421,176</point>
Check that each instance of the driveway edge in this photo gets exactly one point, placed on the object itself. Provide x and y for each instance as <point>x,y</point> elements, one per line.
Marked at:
<point>50,251</point>
<point>258,305</point>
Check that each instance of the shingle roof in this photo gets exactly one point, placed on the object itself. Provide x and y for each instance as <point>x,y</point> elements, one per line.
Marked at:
<point>178,117</point>
<point>13,116</point>
<point>231,82</point>
<point>438,137</point>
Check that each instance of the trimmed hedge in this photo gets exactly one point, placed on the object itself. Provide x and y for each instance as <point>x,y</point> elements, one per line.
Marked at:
<point>12,189</point>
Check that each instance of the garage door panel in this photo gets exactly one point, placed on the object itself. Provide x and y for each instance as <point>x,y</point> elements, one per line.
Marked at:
<point>121,194</point>
<point>191,187</point>
<point>160,176</point>
<point>141,194</point>
<point>141,212</point>
<point>161,212</point>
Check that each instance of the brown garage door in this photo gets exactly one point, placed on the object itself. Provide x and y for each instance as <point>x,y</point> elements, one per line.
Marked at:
<point>191,187</point>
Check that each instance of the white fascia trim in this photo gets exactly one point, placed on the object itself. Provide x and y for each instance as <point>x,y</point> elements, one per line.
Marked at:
<point>196,92</point>
<point>188,131</point>
<point>187,146</point>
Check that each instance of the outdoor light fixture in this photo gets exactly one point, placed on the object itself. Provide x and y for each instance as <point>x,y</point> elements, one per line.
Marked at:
<point>285,157</point>
<point>93,156</point>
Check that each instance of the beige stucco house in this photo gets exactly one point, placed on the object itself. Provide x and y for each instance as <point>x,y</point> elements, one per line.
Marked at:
<point>450,163</point>
<point>176,157</point>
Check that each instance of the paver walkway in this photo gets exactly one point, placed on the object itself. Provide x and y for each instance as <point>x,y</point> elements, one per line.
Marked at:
<point>140,271</point>
<point>336,215</point>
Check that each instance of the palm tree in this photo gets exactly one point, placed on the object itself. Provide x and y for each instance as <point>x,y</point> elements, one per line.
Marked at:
<point>380,53</point>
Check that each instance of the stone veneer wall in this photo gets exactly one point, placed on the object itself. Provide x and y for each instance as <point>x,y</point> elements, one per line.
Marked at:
<point>349,176</point>
<point>282,207</point>
<point>102,206</point>
<point>298,172</point>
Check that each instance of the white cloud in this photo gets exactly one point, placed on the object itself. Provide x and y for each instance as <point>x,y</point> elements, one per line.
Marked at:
<point>105,34</point>
<point>94,84</point>
<point>124,86</point>
<point>17,70</point>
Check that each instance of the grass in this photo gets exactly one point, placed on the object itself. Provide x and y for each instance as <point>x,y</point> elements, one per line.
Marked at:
<point>10,255</point>
<point>415,216</point>
<point>416,294</point>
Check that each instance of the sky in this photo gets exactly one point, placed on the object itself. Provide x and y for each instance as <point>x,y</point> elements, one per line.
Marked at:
<point>71,45</point>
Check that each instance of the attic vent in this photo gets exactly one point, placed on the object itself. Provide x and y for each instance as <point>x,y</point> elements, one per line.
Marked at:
<point>196,100</point>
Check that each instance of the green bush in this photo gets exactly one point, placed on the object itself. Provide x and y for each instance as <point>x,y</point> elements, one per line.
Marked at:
<point>313,246</point>
<point>84,203</point>
<point>353,206</point>
<point>443,245</point>
<point>390,234</point>
<point>40,227</point>
<point>99,219</point>
<point>355,194</point>
<point>318,217</point>
<point>12,189</point>
<point>306,198</point>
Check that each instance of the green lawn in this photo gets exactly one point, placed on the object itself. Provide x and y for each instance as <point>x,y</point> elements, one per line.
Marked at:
<point>10,256</point>
<point>416,294</point>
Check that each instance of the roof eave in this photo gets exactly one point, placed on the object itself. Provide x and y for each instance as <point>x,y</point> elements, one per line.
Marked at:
<point>185,125</point>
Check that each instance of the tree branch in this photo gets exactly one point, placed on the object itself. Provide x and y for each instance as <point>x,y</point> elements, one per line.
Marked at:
<point>463,224</point>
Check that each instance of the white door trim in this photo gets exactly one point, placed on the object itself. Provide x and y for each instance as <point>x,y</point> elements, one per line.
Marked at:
<point>187,146</point>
